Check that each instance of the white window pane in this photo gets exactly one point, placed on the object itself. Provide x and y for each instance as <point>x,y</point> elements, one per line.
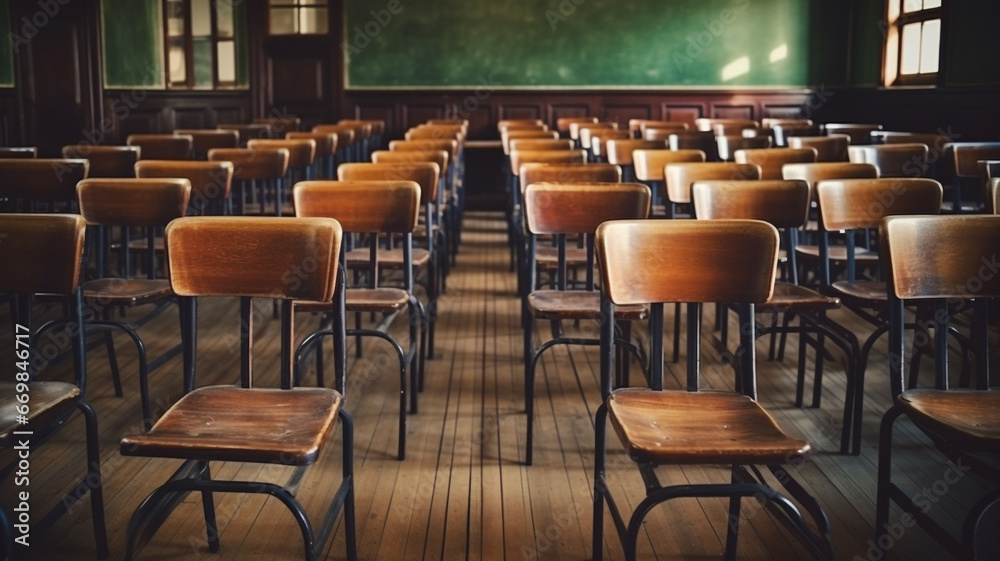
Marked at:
<point>929,46</point>
<point>313,2</point>
<point>224,18</point>
<point>282,21</point>
<point>178,69</point>
<point>201,18</point>
<point>910,63</point>
<point>928,4</point>
<point>175,19</point>
<point>312,20</point>
<point>912,5</point>
<point>227,61</point>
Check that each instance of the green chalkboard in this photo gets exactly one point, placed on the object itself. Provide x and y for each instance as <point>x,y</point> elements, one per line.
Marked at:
<point>133,44</point>
<point>576,43</point>
<point>6,46</point>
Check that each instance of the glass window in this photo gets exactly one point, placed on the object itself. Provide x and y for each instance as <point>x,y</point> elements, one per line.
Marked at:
<point>913,42</point>
<point>200,43</point>
<point>298,17</point>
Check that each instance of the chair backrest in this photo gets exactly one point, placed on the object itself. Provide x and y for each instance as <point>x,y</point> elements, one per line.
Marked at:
<point>508,135</point>
<point>105,161</point>
<point>590,133</point>
<point>724,126</point>
<point>728,144</point>
<point>813,173</point>
<point>563,123</point>
<point>540,144</point>
<point>519,157</point>
<point>133,202</point>
<point>345,133</point>
<point>852,204</point>
<point>363,130</point>
<point>640,126</point>
<point>408,156</point>
<point>203,140</point>
<point>42,178</point>
<point>576,129</point>
<point>892,160</point>
<point>326,143</point>
<point>534,172</point>
<point>254,257</point>
<point>771,122</point>
<point>361,206</point>
<point>771,160</point>
<point>436,132</point>
<point>729,261</point>
<point>424,174</point>
<point>11,152</point>
<point>649,164</point>
<point>301,152</point>
<point>162,146</point>
<point>377,125</point>
<point>620,150</point>
<point>830,148</point>
<point>48,252</point>
<point>514,123</point>
<point>211,182</point>
<point>965,156</point>
<point>579,208</point>
<point>680,176</point>
<point>423,145</point>
<point>695,140</point>
<point>782,203</point>
<point>253,163</point>
<point>935,141</point>
<point>783,134</point>
<point>860,133</point>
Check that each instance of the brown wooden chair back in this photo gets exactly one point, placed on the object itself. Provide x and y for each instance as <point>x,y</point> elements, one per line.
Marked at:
<point>541,144</point>
<point>436,132</point>
<point>680,176</point>
<point>782,203</point>
<point>133,202</point>
<point>105,161</point>
<point>635,258</point>
<point>893,160</point>
<point>771,160</point>
<point>253,163</point>
<point>576,129</point>
<point>508,135</point>
<point>42,178</point>
<point>640,126</point>
<point>534,172</point>
<point>620,150</point>
<point>813,173</point>
<point>935,141</point>
<point>59,237</point>
<point>579,208</point>
<point>853,204</point>
<point>728,144</point>
<point>830,148</point>
<point>424,145</point>
<point>408,156</point>
<point>361,206</point>
<point>860,133</point>
<point>649,164</point>
<point>363,129</point>
<point>504,124</point>
<point>771,122</point>
<point>162,146</point>
<point>15,152</point>
<point>695,140</point>
<point>326,143</point>
<point>345,133</point>
<point>203,140</point>
<point>424,174</point>
<point>563,123</point>
<point>519,157</point>
<point>966,155</point>
<point>211,182</point>
<point>252,257</point>
<point>724,126</point>
<point>301,152</point>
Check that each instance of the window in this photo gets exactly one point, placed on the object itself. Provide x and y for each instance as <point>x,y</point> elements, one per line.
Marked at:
<point>298,17</point>
<point>913,41</point>
<point>200,43</point>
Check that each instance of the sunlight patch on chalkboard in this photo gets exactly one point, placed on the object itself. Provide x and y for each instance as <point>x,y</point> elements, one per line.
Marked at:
<point>736,68</point>
<point>779,53</point>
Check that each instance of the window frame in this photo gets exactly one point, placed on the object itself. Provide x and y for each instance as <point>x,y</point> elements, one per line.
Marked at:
<point>891,70</point>
<point>296,7</point>
<point>189,55</point>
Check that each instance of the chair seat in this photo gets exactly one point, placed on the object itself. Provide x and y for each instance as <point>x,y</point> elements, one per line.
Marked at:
<point>790,297</point>
<point>577,304</point>
<point>839,253</point>
<point>377,300</point>
<point>229,423</point>
<point>966,418</point>
<point>49,400</point>
<point>127,292</point>
<point>389,258</point>
<point>874,291</point>
<point>705,427</point>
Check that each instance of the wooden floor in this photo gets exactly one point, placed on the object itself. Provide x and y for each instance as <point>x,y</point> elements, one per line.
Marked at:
<point>462,492</point>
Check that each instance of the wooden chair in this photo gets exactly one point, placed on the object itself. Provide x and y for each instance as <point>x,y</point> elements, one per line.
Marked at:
<point>126,204</point>
<point>540,144</point>
<point>105,161</point>
<point>376,138</point>
<point>679,176</point>
<point>892,160</point>
<point>346,141</point>
<point>575,129</point>
<point>829,148</point>
<point>374,208</point>
<point>724,126</point>
<point>594,141</point>
<point>17,152</point>
<point>34,184</point>
<point>508,135</point>
<point>162,146</point>
<point>965,186</point>
<point>326,151</point>
<point>785,205</point>
<point>695,140</point>
<point>771,122</point>
<point>258,170</point>
<point>48,251</point>
<point>660,133</point>
<point>771,160</point>
<point>211,182</point>
<point>560,210</point>
<point>638,127</point>
<point>203,140</point>
<point>424,174</point>
<point>250,258</point>
<point>934,261</point>
<point>783,134</point>
<point>649,164</point>
<point>855,206</point>
<point>729,261</point>
<point>620,153</point>
<point>860,133</point>
<point>563,124</point>
<point>514,123</point>
<point>247,131</point>
<point>301,155</point>
<point>728,144</point>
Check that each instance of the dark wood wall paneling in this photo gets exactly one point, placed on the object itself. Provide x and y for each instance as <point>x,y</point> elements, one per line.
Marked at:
<point>156,111</point>
<point>10,118</point>
<point>404,109</point>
